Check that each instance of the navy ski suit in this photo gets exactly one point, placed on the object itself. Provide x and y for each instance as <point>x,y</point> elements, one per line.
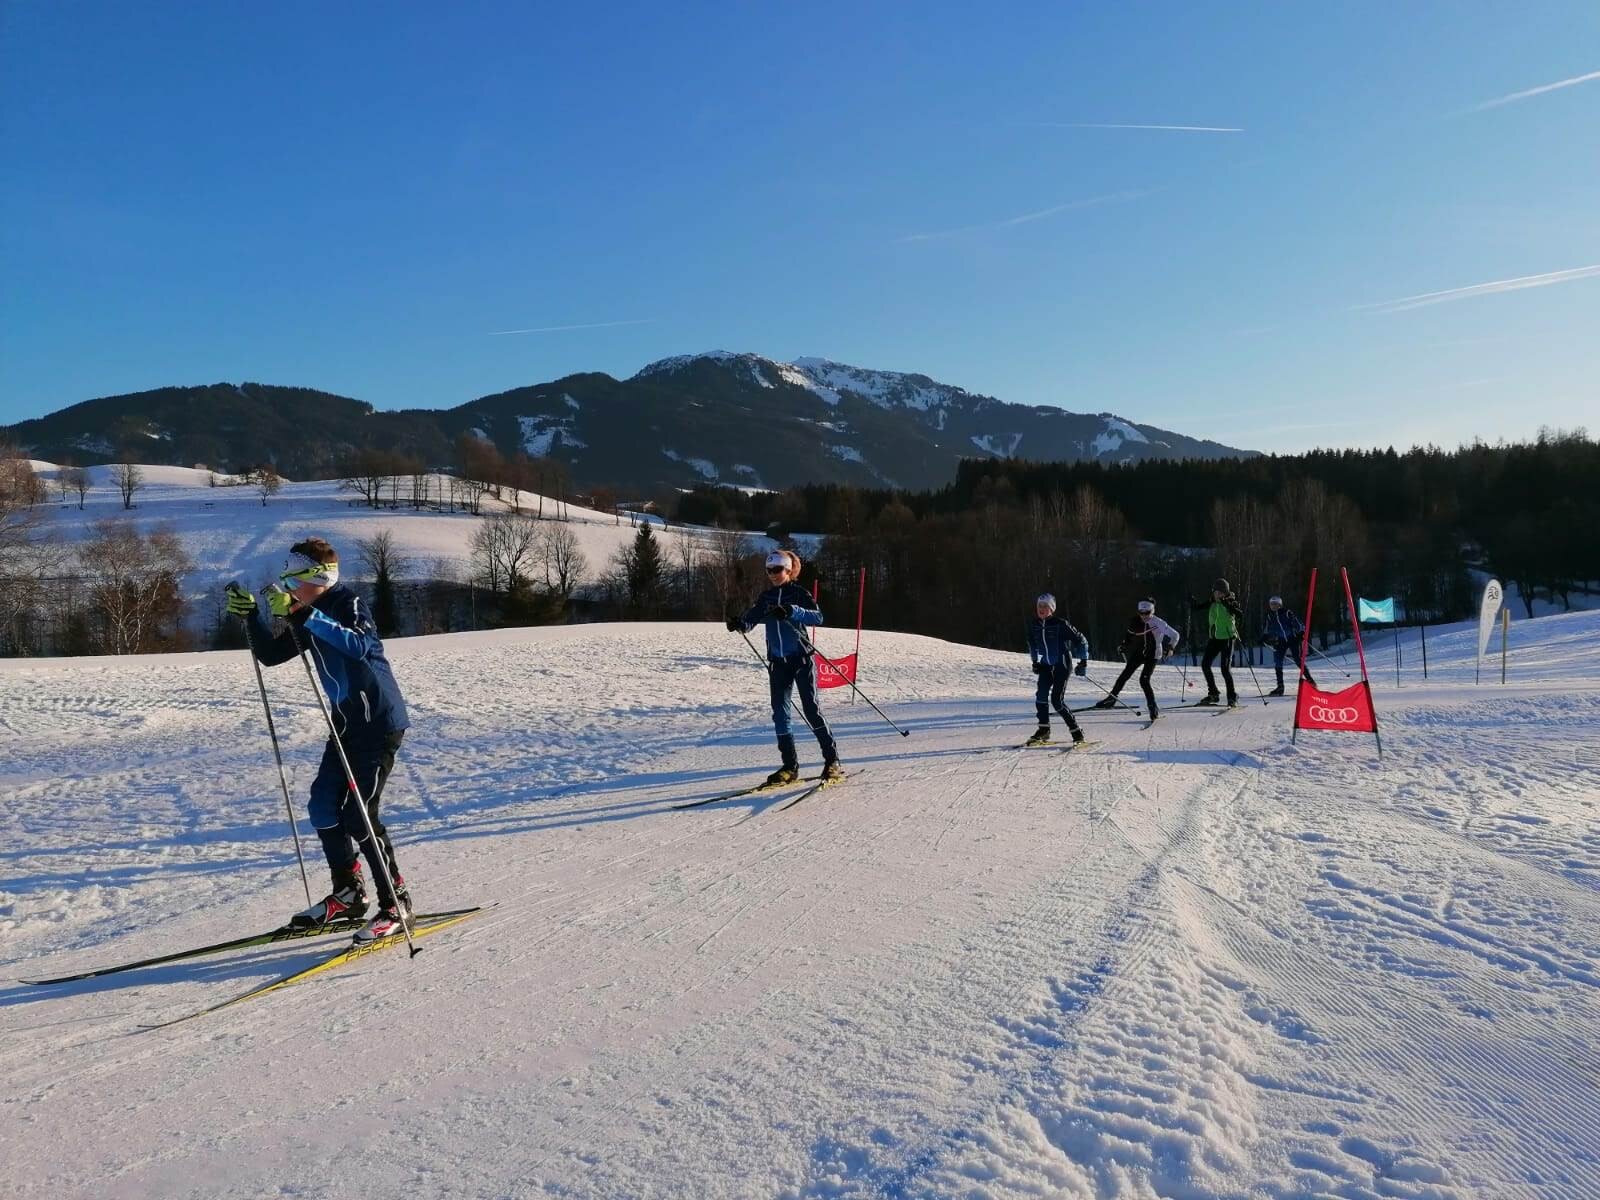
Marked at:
<point>1051,644</point>
<point>368,713</point>
<point>1282,632</point>
<point>790,666</point>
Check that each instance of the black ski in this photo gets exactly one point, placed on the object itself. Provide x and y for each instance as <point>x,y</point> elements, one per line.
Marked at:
<point>347,955</point>
<point>755,790</point>
<point>816,787</point>
<point>284,933</point>
<point>1118,707</point>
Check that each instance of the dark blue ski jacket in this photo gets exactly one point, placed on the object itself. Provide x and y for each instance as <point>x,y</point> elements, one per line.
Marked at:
<point>349,658</point>
<point>1054,641</point>
<point>782,640</point>
<point>1282,627</point>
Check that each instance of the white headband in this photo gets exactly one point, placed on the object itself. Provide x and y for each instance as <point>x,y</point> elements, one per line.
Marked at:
<point>296,566</point>
<point>1146,606</point>
<point>1047,599</point>
<point>777,559</point>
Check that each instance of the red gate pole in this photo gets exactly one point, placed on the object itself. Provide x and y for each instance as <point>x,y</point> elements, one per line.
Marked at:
<point>1355,626</point>
<point>1305,642</point>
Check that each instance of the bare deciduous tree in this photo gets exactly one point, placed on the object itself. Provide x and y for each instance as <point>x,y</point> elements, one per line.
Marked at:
<point>563,561</point>
<point>75,480</point>
<point>129,478</point>
<point>135,585</point>
<point>268,482</point>
<point>504,551</point>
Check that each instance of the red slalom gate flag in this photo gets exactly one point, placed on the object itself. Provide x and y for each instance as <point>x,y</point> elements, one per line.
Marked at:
<point>841,672</point>
<point>836,672</point>
<point>1347,711</point>
<point>1350,710</point>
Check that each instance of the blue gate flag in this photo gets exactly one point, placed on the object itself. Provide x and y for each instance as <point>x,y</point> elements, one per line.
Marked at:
<point>1378,611</point>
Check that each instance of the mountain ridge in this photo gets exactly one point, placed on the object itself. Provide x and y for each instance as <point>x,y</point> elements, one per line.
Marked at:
<point>727,417</point>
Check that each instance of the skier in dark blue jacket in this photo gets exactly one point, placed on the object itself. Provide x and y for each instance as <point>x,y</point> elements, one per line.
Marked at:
<point>1282,632</point>
<point>782,608</point>
<point>1051,644</point>
<point>329,620</point>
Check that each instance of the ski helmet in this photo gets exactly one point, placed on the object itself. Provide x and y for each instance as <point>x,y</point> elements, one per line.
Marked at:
<point>1275,600</point>
<point>1220,585</point>
<point>1046,600</point>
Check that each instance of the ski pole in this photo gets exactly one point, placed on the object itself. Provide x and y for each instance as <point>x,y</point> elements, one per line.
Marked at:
<point>1329,661</point>
<point>1235,642</point>
<point>812,650</point>
<point>355,790</point>
<point>1121,703</point>
<point>768,668</point>
<point>277,753</point>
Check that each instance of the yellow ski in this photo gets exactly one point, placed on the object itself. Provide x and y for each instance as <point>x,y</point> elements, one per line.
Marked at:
<point>348,955</point>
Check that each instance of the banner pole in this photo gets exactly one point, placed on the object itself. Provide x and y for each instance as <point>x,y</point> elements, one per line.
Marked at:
<point>1396,655</point>
<point>1423,630</point>
<point>1505,634</point>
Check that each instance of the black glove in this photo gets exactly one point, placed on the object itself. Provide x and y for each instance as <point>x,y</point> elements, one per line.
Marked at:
<point>735,625</point>
<point>1083,668</point>
<point>1039,668</point>
<point>781,611</point>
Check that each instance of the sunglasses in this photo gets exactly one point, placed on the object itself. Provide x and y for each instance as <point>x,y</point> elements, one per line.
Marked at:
<point>303,575</point>
<point>776,570</point>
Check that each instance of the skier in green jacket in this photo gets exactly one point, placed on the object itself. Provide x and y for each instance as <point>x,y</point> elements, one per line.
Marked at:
<point>1222,614</point>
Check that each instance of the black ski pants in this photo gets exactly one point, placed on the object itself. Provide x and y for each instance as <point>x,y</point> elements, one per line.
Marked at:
<point>1145,664</point>
<point>334,812</point>
<point>1219,648</point>
<point>1052,693</point>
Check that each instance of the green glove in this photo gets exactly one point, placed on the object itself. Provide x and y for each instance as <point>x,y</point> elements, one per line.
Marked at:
<point>240,602</point>
<point>277,600</point>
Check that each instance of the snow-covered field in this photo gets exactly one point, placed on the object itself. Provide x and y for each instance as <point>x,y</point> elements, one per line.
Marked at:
<point>1191,962</point>
<point>230,534</point>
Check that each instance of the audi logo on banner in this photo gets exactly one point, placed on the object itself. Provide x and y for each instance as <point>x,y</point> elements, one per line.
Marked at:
<point>1333,716</point>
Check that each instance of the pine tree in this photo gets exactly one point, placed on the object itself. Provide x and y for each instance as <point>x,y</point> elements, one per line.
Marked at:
<point>644,572</point>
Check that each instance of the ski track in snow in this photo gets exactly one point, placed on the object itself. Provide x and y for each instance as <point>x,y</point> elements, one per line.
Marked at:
<point>1193,961</point>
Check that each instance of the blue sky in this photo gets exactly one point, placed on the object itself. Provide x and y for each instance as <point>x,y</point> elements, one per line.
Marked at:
<point>364,198</point>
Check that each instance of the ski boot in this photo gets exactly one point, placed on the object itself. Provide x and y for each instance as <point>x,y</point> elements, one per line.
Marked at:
<point>1106,702</point>
<point>391,918</point>
<point>1277,691</point>
<point>790,771</point>
<point>347,899</point>
<point>1041,737</point>
<point>832,771</point>
<point>1233,702</point>
<point>1210,699</point>
<point>1155,713</point>
<point>1077,736</point>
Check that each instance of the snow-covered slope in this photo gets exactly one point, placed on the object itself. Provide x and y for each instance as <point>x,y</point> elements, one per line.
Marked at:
<point>1195,961</point>
<point>231,535</point>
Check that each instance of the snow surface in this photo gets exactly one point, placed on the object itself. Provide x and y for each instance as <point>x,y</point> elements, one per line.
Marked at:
<point>1195,961</point>
<point>1001,445</point>
<point>1116,432</point>
<point>704,466</point>
<point>230,534</point>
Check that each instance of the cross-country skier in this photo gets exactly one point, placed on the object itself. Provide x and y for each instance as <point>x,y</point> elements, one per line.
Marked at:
<point>782,608</point>
<point>1282,632</point>
<point>369,715</point>
<point>1223,615</point>
<point>1147,641</point>
<point>1051,644</point>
